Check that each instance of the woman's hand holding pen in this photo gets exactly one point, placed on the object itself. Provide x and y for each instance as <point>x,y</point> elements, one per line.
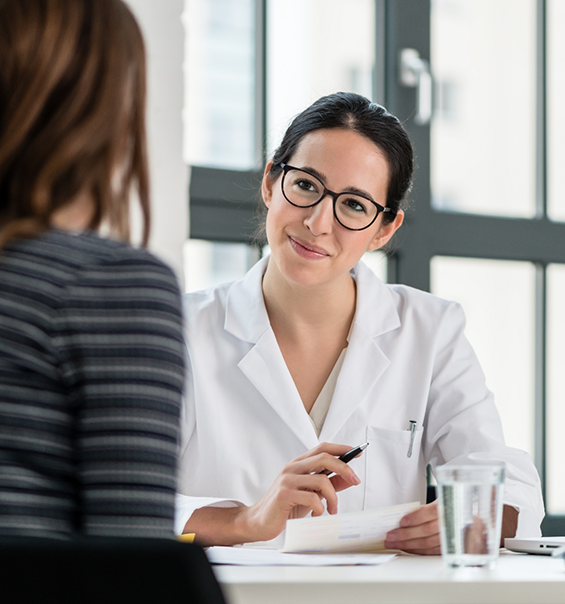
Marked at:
<point>418,532</point>
<point>299,489</point>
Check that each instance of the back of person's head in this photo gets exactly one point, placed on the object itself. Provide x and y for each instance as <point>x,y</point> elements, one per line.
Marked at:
<point>72,114</point>
<point>352,111</point>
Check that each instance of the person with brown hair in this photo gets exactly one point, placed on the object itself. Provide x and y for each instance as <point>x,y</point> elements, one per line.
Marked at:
<point>91,350</point>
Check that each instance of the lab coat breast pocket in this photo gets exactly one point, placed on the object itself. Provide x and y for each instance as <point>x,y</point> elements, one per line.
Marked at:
<point>391,476</point>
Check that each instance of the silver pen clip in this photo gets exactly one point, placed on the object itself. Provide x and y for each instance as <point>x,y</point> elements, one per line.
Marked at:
<point>412,430</point>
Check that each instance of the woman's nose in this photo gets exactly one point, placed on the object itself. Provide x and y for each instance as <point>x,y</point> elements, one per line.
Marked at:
<point>320,218</point>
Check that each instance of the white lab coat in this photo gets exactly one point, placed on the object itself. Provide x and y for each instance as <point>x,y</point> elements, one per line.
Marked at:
<point>407,359</point>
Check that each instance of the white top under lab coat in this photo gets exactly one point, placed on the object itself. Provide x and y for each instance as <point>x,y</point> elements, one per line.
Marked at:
<point>407,359</point>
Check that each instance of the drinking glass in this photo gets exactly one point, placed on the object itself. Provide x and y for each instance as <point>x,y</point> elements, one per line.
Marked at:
<point>470,513</point>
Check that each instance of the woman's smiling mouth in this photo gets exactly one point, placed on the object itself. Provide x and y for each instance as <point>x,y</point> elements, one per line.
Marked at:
<point>307,250</point>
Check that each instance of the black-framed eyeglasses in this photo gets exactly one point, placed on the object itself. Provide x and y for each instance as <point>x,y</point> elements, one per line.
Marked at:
<point>353,211</point>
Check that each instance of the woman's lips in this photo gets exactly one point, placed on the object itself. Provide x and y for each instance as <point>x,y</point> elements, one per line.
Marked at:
<point>307,250</point>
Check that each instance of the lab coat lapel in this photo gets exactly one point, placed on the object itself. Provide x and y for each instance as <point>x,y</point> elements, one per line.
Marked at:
<point>364,362</point>
<point>264,366</point>
<point>363,365</point>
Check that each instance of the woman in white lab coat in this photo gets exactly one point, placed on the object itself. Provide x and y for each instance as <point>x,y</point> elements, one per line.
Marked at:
<point>311,354</point>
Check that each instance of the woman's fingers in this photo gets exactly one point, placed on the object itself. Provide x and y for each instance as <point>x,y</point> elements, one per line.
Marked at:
<point>418,532</point>
<point>331,448</point>
<point>340,484</point>
<point>299,489</point>
<point>425,513</point>
<point>316,465</point>
<point>319,484</point>
<point>310,500</point>
<point>326,462</point>
<point>433,551</point>
<point>422,539</point>
<point>305,473</point>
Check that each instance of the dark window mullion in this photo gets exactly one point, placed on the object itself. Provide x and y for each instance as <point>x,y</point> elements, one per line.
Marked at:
<point>540,373</point>
<point>541,109</point>
<point>379,74</point>
<point>260,82</point>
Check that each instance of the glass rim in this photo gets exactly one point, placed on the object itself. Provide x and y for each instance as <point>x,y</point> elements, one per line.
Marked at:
<point>469,466</point>
<point>481,470</point>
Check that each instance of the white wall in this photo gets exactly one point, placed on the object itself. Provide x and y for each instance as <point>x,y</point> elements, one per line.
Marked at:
<point>164,38</point>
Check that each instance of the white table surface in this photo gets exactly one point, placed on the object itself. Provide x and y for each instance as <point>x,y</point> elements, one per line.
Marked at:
<point>516,579</point>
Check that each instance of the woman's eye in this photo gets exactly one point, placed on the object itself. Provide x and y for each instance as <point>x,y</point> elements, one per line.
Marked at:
<point>306,185</point>
<point>354,205</point>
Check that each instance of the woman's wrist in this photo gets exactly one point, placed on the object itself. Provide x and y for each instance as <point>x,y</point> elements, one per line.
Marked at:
<point>219,526</point>
<point>509,523</point>
<point>245,526</point>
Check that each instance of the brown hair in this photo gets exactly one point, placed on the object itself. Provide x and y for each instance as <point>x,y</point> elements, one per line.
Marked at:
<point>72,114</point>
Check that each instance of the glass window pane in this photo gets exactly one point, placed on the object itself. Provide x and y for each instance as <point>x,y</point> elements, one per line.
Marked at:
<point>316,47</point>
<point>483,131</point>
<point>209,263</point>
<point>555,109</point>
<point>219,80</point>
<point>499,301</point>
<point>555,420</point>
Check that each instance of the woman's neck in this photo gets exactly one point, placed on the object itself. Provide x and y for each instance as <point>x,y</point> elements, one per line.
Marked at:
<point>75,216</point>
<point>300,310</point>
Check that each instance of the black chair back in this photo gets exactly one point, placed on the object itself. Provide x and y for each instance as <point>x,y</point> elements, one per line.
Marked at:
<point>105,571</point>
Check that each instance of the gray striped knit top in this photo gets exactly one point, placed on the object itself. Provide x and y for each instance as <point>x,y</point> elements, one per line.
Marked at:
<point>91,375</point>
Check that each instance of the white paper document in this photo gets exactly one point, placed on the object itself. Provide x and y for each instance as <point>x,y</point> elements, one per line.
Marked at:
<point>247,556</point>
<point>354,532</point>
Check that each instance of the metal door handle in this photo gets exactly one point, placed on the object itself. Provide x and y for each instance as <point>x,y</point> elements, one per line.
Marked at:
<point>415,73</point>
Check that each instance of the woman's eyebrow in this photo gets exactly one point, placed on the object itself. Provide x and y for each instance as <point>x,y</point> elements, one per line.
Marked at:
<point>323,178</point>
<point>360,192</point>
<point>315,173</point>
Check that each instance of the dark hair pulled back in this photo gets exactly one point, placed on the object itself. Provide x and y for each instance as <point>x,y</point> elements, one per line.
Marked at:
<point>354,112</point>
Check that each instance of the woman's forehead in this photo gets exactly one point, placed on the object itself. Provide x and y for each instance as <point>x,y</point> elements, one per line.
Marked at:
<point>343,155</point>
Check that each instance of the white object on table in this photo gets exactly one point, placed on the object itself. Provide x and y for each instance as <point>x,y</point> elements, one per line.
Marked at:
<point>356,531</point>
<point>248,556</point>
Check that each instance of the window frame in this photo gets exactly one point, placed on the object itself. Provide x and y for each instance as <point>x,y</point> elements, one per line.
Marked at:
<point>429,232</point>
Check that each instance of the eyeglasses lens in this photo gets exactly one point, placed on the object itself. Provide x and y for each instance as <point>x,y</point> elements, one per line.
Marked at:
<point>355,212</point>
<point>302,189</point>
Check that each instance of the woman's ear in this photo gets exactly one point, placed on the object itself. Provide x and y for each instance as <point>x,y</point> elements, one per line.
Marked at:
<point>267,184</point>
<point>386,231</point>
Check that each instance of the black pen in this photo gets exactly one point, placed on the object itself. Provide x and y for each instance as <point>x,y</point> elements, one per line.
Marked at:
<point>347,457</point>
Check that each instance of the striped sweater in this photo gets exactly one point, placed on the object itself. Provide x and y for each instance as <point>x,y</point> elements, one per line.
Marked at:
<point>91,374</point>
